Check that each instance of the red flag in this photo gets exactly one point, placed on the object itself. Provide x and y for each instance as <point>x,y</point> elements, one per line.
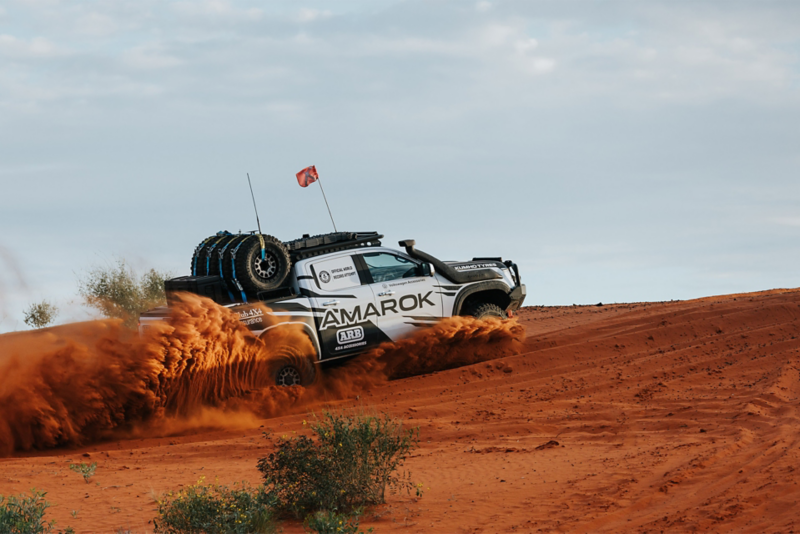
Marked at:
<point>307,176</point>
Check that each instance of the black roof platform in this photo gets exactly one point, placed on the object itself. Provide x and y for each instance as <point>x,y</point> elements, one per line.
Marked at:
<point>310,246</point>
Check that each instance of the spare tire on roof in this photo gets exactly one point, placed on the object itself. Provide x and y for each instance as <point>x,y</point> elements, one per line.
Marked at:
<point>197,265</point>
<point>256,270</point>
<point>228,269</point>
<point>202,257</point>
<point>215,254</point>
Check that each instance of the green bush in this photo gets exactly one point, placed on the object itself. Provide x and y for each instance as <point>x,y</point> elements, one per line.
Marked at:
<point>85,470</point>
<point>23,514</point>
<point>40,315</point>
<point>324,522</point>
<point>214,509</point>
<point>349,465</point>
<point>116,292</point>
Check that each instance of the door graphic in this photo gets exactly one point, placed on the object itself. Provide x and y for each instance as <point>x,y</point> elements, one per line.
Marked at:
<point>405,299</point>
<point>344,309</point>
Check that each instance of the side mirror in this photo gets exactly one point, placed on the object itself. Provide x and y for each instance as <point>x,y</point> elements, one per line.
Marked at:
<point>428,269</point>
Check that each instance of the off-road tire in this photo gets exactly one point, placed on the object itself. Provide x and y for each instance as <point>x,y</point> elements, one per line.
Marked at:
<point>485,310</point>
<point>255,274</point>
<point>198,266</point>
<point>227,260</point>
<point>215,249</point>
<point>290,368</point>
<point>200,263</point>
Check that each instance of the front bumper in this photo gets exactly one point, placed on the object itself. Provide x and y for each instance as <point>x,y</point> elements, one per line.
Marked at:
<point>517,297</point>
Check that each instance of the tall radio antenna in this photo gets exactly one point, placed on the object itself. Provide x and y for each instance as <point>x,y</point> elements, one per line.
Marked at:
<point>254,202</point>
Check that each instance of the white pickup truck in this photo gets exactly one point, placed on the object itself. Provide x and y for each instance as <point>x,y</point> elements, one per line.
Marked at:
<point>347,291</point>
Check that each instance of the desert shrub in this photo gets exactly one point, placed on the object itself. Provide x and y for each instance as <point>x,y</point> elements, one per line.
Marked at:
<point>332,522</point>
<point>350,464</point>
<point>40,315</point>
<point>215,509</point>
<point>85,470</point>
<point>116,291</point>
<point>24,514</point>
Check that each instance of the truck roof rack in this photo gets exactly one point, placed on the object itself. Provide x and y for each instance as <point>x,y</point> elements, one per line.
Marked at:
<point>310,246</point>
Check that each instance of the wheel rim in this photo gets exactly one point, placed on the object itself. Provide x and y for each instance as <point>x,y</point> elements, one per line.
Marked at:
<point>266,268</point>
<point>288,376</point>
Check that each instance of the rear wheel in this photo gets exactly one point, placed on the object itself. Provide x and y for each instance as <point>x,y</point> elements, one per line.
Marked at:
<point>485,310</point>
<point>293,369</point>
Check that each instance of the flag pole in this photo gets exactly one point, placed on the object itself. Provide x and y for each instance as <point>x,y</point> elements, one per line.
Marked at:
<point>326,203</point>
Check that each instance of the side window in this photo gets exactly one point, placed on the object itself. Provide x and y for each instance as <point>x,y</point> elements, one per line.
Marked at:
<point>335,274</point>
<point>384,267</point>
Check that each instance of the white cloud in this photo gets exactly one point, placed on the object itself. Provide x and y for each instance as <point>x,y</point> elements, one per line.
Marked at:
<point>542,65</point>
<point>525,46</point>
<point>786,221</point>
<point>217,9</point>
<point>96,24</point>
<point>497,34</point>
<point>37,47</point>
<point>309,15</point>
<point>149,57</point>
<point>377,45</point>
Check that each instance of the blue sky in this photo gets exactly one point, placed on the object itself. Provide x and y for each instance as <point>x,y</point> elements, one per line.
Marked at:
<point>618,151</point>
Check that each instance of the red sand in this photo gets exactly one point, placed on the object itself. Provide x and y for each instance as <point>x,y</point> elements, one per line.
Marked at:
<point>678,416</point>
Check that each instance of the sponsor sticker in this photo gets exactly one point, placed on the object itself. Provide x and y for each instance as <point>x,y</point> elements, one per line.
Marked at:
<point>343,272</point>
<point>474,266</point>
<point>251,316</point>
<point>336,273</point>
<point>351,346</point>
<point>252,312</point>
<point>406,282</point>
<point>347,317</point>
<point>350,335</point>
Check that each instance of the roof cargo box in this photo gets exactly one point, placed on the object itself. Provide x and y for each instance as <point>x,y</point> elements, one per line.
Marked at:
<point>205,286</point>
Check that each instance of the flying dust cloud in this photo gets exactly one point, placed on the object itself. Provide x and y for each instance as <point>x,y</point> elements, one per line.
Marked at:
<point>84,382</point>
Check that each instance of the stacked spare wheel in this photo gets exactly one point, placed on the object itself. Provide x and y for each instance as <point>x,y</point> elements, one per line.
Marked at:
<point>232,268</point>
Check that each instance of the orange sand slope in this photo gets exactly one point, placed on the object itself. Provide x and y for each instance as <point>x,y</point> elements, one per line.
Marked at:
<point>674,416</point>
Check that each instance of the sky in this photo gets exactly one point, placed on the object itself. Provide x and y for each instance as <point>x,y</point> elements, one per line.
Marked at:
<point>618,151</point>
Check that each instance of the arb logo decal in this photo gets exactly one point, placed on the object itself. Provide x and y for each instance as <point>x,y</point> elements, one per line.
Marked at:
<point>349,335</point>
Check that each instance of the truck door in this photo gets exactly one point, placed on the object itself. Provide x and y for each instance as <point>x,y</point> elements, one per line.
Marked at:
<point>406,299</point>
<point>344,309</point>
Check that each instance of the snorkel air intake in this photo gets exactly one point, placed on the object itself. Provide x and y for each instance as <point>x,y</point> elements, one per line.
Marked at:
<point>457,277</point>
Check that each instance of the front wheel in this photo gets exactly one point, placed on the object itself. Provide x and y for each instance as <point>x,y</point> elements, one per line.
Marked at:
<point>485,310</point>
<point>291,368</point>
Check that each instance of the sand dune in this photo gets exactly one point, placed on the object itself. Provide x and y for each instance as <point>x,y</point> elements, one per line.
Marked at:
<point>676,416</point>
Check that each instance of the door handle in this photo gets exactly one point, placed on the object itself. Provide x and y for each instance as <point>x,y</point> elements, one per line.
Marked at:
<point>386,293</point>
<point>331,303</point>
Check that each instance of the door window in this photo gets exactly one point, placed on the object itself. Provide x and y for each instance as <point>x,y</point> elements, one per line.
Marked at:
<point>385,267</point>
<point>335,274</point>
